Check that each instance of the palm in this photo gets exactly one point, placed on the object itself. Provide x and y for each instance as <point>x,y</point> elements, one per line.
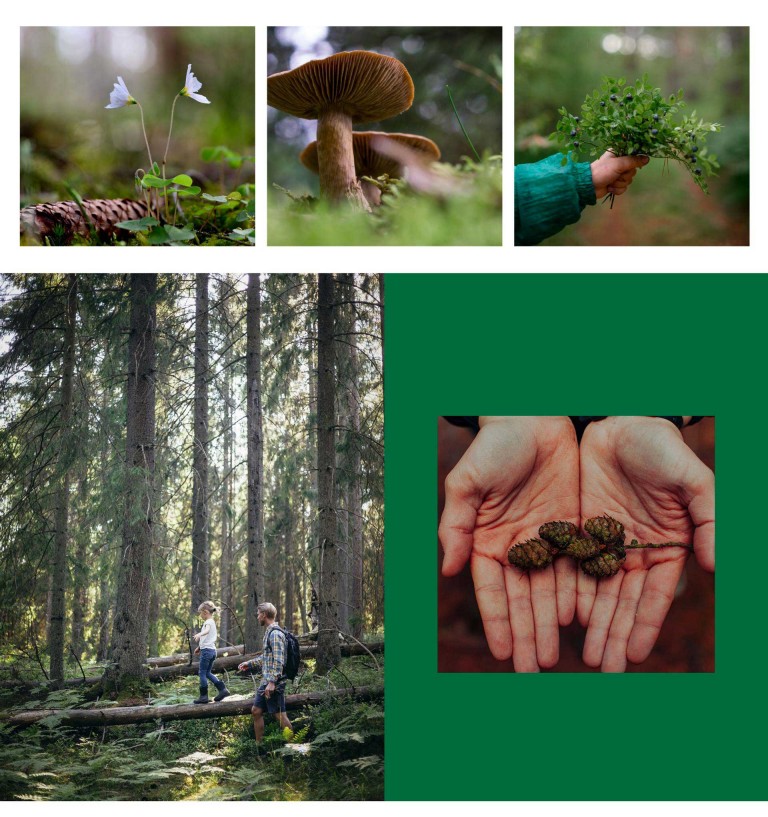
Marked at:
<point>517,474</point>
<point>640,471</point>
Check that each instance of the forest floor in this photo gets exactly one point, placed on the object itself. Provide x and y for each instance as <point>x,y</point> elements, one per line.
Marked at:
<point>336,751</point>
<point>451,205</point>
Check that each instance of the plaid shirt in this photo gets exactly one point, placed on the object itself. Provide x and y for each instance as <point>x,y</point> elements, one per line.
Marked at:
<point>272,659</point>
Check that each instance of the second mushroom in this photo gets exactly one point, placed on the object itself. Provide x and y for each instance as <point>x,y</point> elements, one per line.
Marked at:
<point>346,88</point>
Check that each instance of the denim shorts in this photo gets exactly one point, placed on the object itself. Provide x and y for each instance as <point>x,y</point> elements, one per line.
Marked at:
<point>276,701</point>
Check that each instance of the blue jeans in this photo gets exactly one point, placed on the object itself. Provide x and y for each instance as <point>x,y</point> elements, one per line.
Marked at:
<point>207,657</point>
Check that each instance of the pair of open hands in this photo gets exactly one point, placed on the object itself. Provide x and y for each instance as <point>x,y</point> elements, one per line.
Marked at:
<point>520,472</point>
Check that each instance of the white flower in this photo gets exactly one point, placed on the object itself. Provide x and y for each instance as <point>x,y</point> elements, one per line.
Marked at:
<point>120,96</point>
<point>193,84</point>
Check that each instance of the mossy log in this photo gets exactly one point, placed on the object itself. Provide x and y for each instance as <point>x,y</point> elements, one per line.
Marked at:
<point>234,705</point>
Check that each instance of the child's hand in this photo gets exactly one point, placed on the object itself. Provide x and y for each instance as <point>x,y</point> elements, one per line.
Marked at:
<point>242,667</point>
<point>614,174</point>
<point>197,650</point>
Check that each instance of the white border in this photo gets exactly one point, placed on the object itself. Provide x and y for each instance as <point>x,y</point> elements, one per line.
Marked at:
<point>371,259</point>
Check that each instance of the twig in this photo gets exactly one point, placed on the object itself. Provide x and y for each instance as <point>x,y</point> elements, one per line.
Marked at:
<point>37,656</point>
<point>74,655</point>
<point>347,635</point>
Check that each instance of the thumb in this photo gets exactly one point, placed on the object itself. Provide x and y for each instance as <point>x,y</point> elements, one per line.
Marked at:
<point>623,163</point>
<point>457,524</point>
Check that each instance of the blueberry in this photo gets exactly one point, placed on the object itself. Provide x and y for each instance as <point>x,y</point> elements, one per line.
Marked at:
<point>575,144</point>
<point>629,97</point>
<point>577,119</point>
<point>693,160</point>
<point>602,104</point>
<point>694,148</point>
<point>697,171</point>
<point>656,117</point>
<point>654,131</point>
<point>613,97</point>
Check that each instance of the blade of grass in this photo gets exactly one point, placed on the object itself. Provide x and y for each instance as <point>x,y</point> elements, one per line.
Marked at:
<point>461,125</point>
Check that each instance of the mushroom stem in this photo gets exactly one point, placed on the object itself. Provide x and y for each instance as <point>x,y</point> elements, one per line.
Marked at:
<point>337,161</point>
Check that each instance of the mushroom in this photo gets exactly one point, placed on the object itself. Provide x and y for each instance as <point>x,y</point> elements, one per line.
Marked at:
<point>370,161</point>
<point>353,86</point>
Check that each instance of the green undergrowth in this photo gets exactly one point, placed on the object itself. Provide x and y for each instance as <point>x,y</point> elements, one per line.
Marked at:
<point>335,753</point>
<point>462,207</point>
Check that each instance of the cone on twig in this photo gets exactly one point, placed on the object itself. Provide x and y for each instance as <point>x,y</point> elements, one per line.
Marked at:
<point>61,221</point>
<point>605,529</point>
<point>559,533</point>
<point>534,553</point>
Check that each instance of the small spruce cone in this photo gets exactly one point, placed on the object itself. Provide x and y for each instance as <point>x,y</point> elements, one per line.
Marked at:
<point>531,554</point>
<point>559,533</point>
<point>603,565</point>
<point>584,548</point>
<point>605,529</point>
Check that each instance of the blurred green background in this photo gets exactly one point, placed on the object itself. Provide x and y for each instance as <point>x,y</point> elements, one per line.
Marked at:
<point>466,59</point>
<point>560,66</point>
<point>68,137</point>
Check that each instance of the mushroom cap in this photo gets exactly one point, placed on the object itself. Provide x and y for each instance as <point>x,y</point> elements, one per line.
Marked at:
<point>368,160</point>
<point>366,86</point>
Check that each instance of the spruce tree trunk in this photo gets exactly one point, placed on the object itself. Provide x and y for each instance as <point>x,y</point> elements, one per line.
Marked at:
<point>255,576</point>
<point>227,544</point>
<point>201,584</point>
<point>355,509</point>
<point>328,653</point>
<point>61,522</point>
<point>130,626</point>
<point>80,570</point>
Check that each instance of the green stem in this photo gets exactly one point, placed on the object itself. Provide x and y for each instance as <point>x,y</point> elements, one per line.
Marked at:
<point>165,155</point>
<point>146,142</point>
<point>458,119</point>
<point>635,545</point>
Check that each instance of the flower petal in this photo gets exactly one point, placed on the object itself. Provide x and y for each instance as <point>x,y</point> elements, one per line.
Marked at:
<point>199,98</point>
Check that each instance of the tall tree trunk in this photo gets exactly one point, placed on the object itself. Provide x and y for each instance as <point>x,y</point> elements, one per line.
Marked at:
<point>227,544</point>
<point>255,575</point>
<point>290,568</point>
<point>107,559</point>
<point>129,633</point>
<point>65,442</point>
<point>355,509</point>
<point>328,653</point>
<point>80,570</point>
<point>201,584</point>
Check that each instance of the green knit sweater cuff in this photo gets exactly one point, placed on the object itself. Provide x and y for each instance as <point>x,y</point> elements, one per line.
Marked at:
<point>582,174</point>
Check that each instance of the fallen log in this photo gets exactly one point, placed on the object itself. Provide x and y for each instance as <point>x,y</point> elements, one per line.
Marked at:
<point>183,657</point>
<point>229,663</point>
<point>235,705</point>
<point>61,221</point>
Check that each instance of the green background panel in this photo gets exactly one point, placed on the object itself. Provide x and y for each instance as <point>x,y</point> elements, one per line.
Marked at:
<point>621,344</point>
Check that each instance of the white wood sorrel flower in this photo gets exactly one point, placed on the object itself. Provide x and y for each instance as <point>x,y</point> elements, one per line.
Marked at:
<point>192,85</point>
<point>120,96</point>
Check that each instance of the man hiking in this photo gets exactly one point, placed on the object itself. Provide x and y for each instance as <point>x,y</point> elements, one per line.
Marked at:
<point>270,696</point>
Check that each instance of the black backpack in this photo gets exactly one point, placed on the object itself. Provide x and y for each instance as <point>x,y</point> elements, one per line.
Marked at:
<point>292,654</point>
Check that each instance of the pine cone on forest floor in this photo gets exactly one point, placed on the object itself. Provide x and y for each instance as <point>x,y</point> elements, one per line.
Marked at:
<point>61,221</point>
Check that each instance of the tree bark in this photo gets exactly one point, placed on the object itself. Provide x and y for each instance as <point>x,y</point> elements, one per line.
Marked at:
<point>65,443</point>
<point>255,575</point>
<point>201,584</point>
<point>227,544</point>
<point>80,570</point>
<point>328,654</point>
<point>118,715</point>
<point>129,634</point>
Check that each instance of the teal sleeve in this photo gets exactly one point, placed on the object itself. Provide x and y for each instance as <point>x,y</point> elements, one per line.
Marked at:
<point>549,196</point>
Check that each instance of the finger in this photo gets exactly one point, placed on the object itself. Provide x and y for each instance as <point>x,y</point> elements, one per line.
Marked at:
<point>658,594</point>
<point>600,620</point>
<point>624,163</point>
<point>491,594</point>
<point>457,524</point>
<point>586,589</point>
<point>544,606</point>
<point>702,511</point>
<point>565,585</point>
<point>615,655</point>
<point>521,620</point>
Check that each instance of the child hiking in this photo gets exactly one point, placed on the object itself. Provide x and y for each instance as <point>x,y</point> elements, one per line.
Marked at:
<point>207,648</point>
